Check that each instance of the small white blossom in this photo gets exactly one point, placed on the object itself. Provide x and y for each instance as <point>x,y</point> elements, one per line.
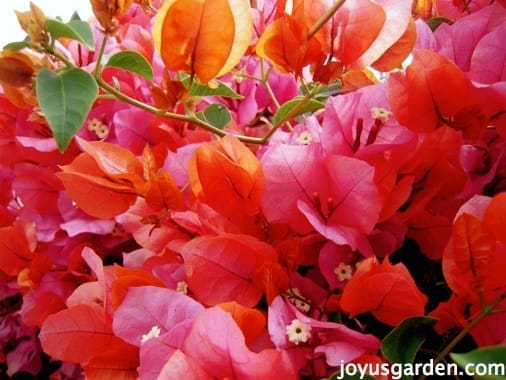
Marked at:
<point>153,333</point>
<point>380,114</point>
<point>300,302</point>
<point>298,332</point>
<point>343,271</point>
<point>305,138</point>
<point>100,129</point>
<point>182,287</point>
<point>301,305</point>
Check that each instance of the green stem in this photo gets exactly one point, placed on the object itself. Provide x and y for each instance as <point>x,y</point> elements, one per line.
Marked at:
<point>295,110</point>
<point>98,63</point>
<point>326,17</point>
<point>60,57</point>
<point>163,113</point>
<point>171,115</point>
<point>484,312</point>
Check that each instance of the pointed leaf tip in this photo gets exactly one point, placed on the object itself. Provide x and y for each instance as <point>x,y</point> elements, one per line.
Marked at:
<point>132,61</point>
<point>75,29</point>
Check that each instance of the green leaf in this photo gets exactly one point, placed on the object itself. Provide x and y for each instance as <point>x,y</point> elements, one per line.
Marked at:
<point>75,16</point>
<point>479,360</point>
<point>221,89</point>
<point>403,342</point>
<point>84,30</point>
<point>287,108</point>
<point>76,30</point>
<point>16,46</point>
<point>434,22</point>
<point>65,98</point>
<point>215,114</point>
<point>132,61</point>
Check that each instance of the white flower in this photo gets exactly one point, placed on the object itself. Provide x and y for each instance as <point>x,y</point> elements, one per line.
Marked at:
<point>153,333</point>
<point>298,332</point>
<point>380,114</point>
<point>300,302</point>
<point>182,287</point>
<point>343,271</point>
<point>100,129</point>
<point>301,305</point>
<point>305,138</point>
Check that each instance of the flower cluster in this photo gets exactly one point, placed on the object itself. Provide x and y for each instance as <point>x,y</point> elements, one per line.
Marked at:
<point>266,196</point>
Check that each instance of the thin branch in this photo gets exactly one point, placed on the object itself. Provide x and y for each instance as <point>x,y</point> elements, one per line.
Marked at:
<point>326,17</point>
<point>486,311</point>
<point>98,63</point>
<point>171,115</point>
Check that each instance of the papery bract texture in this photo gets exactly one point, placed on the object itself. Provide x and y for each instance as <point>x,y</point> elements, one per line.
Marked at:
<point>203,37</point>
<point>222,351</point>
<point>220,268</point>
<point>227,176</point>
<point>146,306</point>
<point>385,284</point>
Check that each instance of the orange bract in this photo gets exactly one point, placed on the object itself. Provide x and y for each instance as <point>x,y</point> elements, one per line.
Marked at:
<point>251,321</point>
<point>93,191</point>
<point>17,246</point>
<point>285,43</point>
<point>227,176</point>
<point>107,12</point>
<point>106,180</point>
<point>398,52</point>
<point>203,37</point>
<point>16,69</point>
<point>384,284</point>
<point>128,277</point>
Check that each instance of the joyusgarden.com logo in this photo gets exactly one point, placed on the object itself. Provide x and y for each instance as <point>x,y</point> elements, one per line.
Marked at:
<point>398,370</point>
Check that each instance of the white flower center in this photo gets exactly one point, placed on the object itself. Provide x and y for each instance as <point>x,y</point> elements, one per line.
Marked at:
<point>182,287</point>
<point>153,333</point>
<point>380,114</point>
<point>100,129</point>
<point>305,138</point>
<point>343,271</point>
<point>298,332</point>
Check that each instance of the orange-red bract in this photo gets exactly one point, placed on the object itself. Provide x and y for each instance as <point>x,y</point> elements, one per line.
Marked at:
<point>16,69</point>
<point>107,12</point>
<point>474,259</point>
<point>467,257</point>
<point>161,192</point>
<point>495,216</point>
<point>221,268</point>
<point>106,180</point>
<point>129,277</point>
<point>272,278</point>
<point>351,31</point>
<point>387,291</point>
<point>434,91</point>
<point>250,321</point>
<point>399,51</point>
<point>93,191</point>
<point>112,159</point>
<point>79,334</point>
<point>285,42</point>
<point>203,37</point>
<point>227,176</point>
<point>17,246</point>
<point>120,364</point>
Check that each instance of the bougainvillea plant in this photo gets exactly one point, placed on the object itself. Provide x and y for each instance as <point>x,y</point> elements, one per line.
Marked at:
<point>233,189</point>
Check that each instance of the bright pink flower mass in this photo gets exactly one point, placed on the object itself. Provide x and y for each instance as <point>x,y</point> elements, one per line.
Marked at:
<point>269,190</point>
